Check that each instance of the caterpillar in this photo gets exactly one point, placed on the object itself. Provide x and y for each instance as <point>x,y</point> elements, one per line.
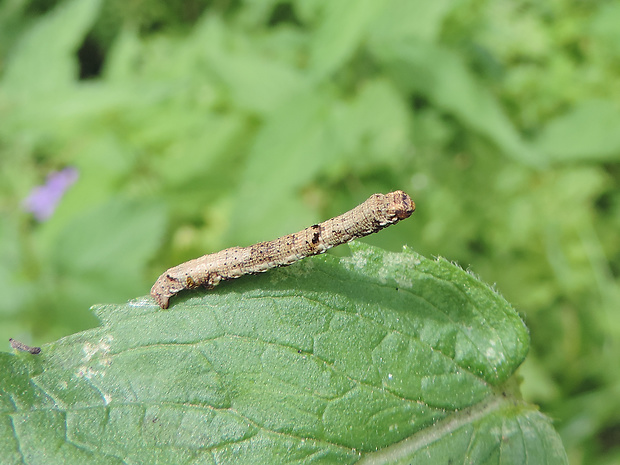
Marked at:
<point>376,213</point>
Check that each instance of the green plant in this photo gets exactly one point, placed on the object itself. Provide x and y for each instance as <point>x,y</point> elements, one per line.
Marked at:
<point>196,126</point>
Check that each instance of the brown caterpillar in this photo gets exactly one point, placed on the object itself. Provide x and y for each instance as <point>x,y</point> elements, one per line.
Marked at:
<point>376,213</point>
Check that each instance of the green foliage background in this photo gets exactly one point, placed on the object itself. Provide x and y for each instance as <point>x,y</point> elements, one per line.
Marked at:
<point>200,125</point>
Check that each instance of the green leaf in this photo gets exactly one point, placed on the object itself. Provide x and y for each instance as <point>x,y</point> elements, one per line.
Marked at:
<point>342,29</point>
<point>374,358</point>
<point>441,75</point>
<point>372,128</point>
<point>589,132</point>
<point>45,57</point>
<point>289,150</point>
<point>496,432</point>
<point>103,251</point>
<point>118,232</point>
<point>604,27</point>
<point>411,18</point>
<point>254,79</point>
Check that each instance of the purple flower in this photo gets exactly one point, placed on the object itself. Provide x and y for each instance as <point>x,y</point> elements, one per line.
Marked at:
<point>43,200</point>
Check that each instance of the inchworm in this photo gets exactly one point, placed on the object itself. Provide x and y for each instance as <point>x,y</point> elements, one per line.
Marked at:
<point>15,344</point>
<point>376,213</point>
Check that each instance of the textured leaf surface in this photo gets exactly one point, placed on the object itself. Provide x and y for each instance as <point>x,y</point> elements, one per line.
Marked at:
<point>378,357</point>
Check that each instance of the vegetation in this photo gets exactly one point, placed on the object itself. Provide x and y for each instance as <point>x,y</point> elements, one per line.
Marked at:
<point>193,126</point>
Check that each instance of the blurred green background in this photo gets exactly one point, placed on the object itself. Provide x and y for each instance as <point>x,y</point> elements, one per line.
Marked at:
<point>198,125</point>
